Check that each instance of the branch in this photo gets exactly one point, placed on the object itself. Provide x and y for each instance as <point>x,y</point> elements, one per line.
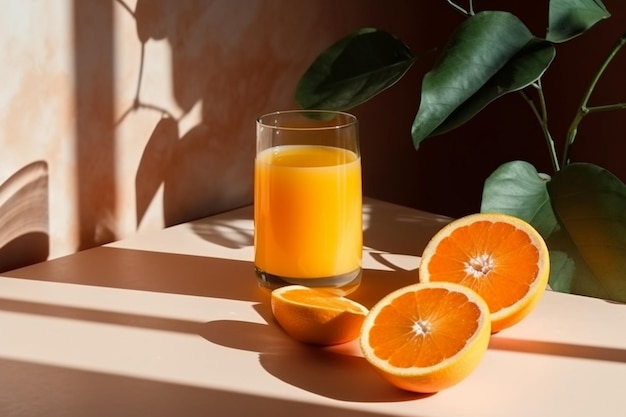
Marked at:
<point>459,8</point>
<point>542,117</point>
<point>584,109</point>
<point>606,107</point>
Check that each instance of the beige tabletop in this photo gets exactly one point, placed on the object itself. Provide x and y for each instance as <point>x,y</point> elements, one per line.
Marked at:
<point>171,323</point>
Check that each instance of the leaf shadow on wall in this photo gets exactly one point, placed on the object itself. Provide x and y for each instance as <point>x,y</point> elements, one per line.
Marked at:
<point>208,169</point>
<point>191,169</point>
<point>24,235</point>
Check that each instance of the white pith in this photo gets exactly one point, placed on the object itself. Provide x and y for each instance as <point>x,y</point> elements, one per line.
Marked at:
<point>421,327</point>
<point>479,266</point>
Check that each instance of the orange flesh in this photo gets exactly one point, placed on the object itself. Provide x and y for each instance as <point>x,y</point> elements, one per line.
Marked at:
<point>423,328</point>
<point>320,299</point>
<point>514,262</point>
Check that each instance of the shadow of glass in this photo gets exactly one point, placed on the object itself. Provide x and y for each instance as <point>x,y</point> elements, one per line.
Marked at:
<point>24,238</point>
<point>388,229</point>
<point>227,233</point>
<point>399,230</point>
<point>375,284</point>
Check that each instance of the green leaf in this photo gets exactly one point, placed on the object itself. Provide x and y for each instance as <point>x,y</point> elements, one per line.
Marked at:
<point>353,70</point>
<point>516,188</point>
<point>570,18</point>
<point>590,204</point>
<point>561,271</point>
<point>568,271</point>
<point>526,67</point>
<point>480,47</point>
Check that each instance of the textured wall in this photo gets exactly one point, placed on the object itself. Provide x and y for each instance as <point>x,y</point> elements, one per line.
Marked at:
<point>118,116</point>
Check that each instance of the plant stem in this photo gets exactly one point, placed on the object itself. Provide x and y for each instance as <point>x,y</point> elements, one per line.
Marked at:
<point>542,117</point>
<point>459,8</point>
<point>584,109</point>
<point>606,107</point>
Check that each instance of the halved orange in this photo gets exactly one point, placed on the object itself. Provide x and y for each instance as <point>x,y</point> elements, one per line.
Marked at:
<point>316,316</point>
<point>501,257</point>
<point>427,337</point>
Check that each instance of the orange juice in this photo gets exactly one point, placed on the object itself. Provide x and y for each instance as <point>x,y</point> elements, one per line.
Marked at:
<point>308,212</point>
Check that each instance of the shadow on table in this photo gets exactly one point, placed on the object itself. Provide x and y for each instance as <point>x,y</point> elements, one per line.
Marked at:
<point>149,271</point>
<point>341,373</point>
<point>387,232</point>
<point>31,389</point>
<point>386,227</point>
<point>333,375</point>
<point>599,353</point>
<point>399,230</point>
<point>338,372</point>
<point>233,230</point>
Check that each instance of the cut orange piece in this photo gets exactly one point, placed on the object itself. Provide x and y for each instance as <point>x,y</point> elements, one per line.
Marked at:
<point>427,337</point>
<point>501,257</point>
<point>316,316</point>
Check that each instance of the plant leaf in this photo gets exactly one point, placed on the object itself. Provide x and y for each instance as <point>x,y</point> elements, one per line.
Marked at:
<point>353,70</point>
<point>561,271</point>
<point>526,67</point>
<point>570,18</point>
<point>590,204</point>
<point>479,48</point>
<point>516,188</point>
<point>568,270</point>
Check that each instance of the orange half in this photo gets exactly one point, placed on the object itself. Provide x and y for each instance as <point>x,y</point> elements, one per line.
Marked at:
<point>316,316</point>
<point>427,337</point>
<point>501,257</point>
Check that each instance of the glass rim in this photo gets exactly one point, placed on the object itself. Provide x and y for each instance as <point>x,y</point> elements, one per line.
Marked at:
<point>351,119</point>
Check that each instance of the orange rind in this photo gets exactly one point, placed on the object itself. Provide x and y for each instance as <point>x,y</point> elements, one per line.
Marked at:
<point>316,316</point>
<point>501,257</point>
<point>426,337</point>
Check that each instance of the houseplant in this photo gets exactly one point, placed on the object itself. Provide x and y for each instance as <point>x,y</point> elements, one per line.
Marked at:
<point>579,208</point>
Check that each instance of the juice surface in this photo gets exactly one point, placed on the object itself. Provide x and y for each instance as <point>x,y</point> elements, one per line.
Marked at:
<point>308,211</point>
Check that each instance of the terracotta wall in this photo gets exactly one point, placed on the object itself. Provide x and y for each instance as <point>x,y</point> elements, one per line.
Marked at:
<point>118,116</point>
<point>123,115</point>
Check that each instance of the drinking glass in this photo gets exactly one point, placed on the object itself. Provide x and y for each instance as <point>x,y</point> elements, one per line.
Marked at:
<point>308,200</point>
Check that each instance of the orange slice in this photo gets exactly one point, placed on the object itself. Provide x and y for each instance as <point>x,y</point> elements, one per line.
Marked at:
<point>501,257</point>
<point>316,316</point>
<point>427,337</point>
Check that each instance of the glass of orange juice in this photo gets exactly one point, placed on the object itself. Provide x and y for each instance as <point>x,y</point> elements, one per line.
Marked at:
<point>308,200</point>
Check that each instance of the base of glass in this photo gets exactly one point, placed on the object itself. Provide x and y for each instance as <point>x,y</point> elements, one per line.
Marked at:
<point>339,284</point>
